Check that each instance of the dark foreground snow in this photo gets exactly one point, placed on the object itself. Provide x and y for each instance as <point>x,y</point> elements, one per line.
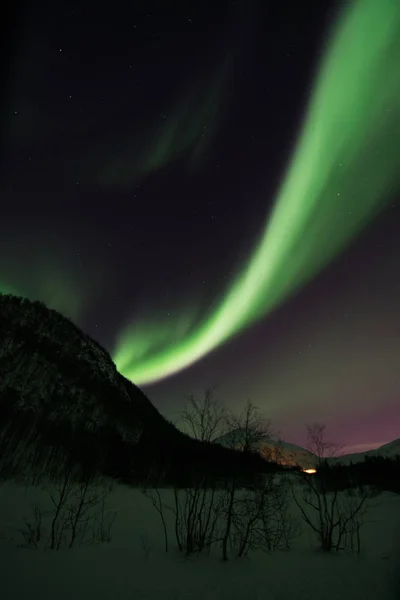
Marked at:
<point>122,570</point>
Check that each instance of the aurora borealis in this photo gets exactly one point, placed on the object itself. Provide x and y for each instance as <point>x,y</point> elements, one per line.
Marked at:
<point>341,174</point>
<point>227,214</point>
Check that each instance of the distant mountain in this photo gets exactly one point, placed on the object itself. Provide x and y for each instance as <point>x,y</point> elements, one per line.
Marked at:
<point>283,453</point>
<point>63,402</point>
<point>390,450</point>
<point>288,454</point>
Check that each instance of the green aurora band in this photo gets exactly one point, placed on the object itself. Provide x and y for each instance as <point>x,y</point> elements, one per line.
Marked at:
<point>197,111</point>
<point>187,131</point>
<point>43,279</point>
<point>343,171</point>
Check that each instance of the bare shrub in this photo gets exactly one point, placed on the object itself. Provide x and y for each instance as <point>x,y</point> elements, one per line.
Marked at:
<point>248,429</point>
<point>280,527</point>
<point>151,491</point>
<point>207,514</point>
<point>334,517</point>
<point>236,520</point>
<point>78,515</point>
<point>33,529</point>
<point>318,445</point>
<point>197,512</point>
<point>103,522</point>
<point>146,545</point>
<point>204,418</point>
<point>246,432</point>
<point>261,519</point>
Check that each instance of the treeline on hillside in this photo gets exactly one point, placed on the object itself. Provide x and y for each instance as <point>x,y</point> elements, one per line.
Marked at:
<point>382,473</point>
<point>180,460</point>
<point>34,337</point>
<point>35,442</point>
<point>38,317</point>
<point>62,400</point>
<point>173,457</point>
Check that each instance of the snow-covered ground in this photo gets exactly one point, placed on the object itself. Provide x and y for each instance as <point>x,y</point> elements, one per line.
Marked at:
<point>124,570</point>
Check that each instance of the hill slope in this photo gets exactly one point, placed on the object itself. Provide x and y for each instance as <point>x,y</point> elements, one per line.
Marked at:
<point>63,403</point>
<point>58,387</point>
<point>279,451</point>
<point>390,450</point>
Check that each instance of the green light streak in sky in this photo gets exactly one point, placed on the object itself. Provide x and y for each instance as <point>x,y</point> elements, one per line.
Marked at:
<point>346,164</point>
<point>184,131</point>
<point>187,128</point>
<point>42,280</point>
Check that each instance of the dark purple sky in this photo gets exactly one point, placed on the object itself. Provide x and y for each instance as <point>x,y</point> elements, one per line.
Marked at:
<point>99,217</point>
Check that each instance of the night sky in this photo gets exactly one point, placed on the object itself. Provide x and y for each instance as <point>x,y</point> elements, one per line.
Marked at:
<point>144,144</point>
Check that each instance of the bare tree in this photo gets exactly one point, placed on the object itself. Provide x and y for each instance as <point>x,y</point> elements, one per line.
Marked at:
<point>208,513</point>
<point>146,544</point>
<point>33,529</point>
<point>318,445</point>
<point>229,515</point>
<point>78,514</point>
<point>204,418</point>
<point>103,523</point>
<point>197,516</point>
<point>246,432</point>
<point>248,429</point>
<point>262,519</point>
<point>196,511</point>
<point>86,498</point>
<point>59,496</point>
<point>151,491</point>
<point>334,517</point>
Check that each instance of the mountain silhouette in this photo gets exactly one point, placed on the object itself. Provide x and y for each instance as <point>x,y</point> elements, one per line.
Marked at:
<point>63,403</point>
